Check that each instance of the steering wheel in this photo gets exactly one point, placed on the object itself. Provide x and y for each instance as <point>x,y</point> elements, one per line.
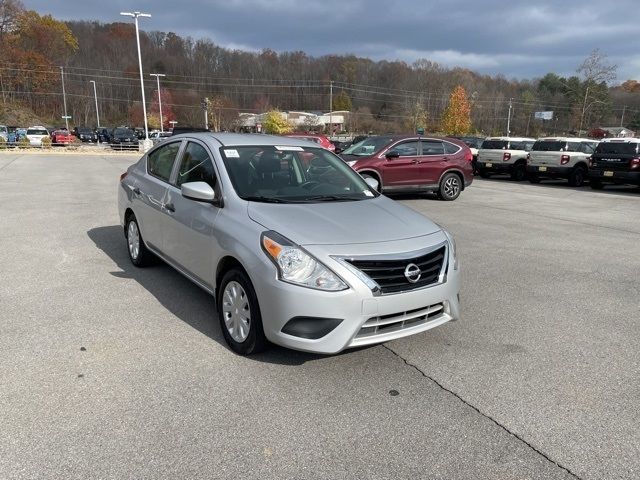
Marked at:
<point>310,184</point>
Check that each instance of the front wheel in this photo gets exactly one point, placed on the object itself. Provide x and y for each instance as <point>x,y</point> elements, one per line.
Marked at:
<point>577,177</point>
<point>239,314</point>
<point>519,172</point>
<point>450,187</point>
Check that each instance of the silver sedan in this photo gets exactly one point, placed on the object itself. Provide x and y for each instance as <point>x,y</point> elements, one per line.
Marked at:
<point>295,246</point>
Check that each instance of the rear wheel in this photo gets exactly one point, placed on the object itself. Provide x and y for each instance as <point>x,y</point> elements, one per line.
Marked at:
<point>239,313</point>
<point>596,184</point>
<point>577,176</point>
<point>450,187</point>
<point>519,172</point>
<point>139,255</point>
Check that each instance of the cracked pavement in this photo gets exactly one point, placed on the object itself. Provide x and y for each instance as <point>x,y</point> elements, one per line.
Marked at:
<point>114,372</point>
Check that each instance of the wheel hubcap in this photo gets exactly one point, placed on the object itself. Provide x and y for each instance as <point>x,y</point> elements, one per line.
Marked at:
<point>451,186</point>
<point>133,239</point>
<point>236,311</point>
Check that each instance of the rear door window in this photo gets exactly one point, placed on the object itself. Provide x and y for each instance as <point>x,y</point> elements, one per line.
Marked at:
<point>432,147</point>
<point>160,161</point>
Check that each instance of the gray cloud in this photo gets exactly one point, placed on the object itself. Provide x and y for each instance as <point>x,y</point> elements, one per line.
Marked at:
<point>516,38</point>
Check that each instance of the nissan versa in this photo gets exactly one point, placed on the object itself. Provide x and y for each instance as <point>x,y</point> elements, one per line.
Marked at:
<point>296,247</point>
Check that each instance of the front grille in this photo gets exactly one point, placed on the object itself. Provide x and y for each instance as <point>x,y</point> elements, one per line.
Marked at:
<point>390,274</point>
<point>399,321</point>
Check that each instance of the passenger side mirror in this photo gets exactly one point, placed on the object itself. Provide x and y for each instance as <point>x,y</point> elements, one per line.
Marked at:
<point>392,154</point>
<point>199,191</point>
<point>372,182</point>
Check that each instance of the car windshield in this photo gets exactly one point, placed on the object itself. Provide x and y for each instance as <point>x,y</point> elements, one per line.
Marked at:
<point>36,131</point>
<point>495,144</point>
<point>617,147</point>
<point>292,174</point>
<point>368,146</point>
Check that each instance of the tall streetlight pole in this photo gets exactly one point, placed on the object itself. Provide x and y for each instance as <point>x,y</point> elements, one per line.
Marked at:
<point>158,75</point>
<point>330,108</point>
<point>64,99</point>
<point>135,16</point>
<point>509,117</point>
<point>95,96</point>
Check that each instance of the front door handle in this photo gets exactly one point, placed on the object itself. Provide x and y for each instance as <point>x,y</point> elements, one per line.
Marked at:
<point>414,161</point>
<point>136,190</point>
<point>169,207</point>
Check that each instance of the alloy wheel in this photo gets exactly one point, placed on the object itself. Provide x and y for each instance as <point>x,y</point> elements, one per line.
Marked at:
<point>452,186</point>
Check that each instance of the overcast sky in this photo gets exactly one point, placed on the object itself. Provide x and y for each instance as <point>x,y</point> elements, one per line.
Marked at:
<point>517,38</point>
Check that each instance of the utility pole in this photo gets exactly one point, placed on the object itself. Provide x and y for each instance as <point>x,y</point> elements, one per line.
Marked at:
<point>584,107</point>
<point>95,96</point>
<point>509,117</point>
<point>158,75</point>
<point>330,108</point>
<point>135,16</point>
<point>624,109</point>
<point>64,99</point>
<point>205,106</point>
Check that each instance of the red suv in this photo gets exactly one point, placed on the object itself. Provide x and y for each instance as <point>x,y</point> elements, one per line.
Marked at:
<point>323,141</point>
<point>413,164</point>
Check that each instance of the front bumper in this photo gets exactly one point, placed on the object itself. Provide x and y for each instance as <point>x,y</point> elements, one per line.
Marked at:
<point>612,176</point>
<point>365,319</point>
<point>549,171</point>
<point>494,167</point>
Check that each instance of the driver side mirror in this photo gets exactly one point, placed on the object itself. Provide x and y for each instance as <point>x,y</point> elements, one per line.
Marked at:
<point>200,192</point>
<point>392,154</point>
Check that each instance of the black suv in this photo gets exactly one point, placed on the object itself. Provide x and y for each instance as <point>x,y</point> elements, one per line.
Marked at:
<point>85,134</point>
<point>615,160</point>
<point>123,138</point>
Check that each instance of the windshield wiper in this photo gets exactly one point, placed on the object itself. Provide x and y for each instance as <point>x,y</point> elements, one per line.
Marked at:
<point>331,198</point>
<point>264,199</point>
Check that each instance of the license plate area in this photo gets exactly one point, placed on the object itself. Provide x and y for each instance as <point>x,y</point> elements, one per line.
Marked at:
<point>542,169</point>
<point>608,173</point>
<point>488,165</point>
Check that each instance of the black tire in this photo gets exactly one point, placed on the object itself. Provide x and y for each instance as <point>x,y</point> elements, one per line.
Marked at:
<point>534,178</point>
<point>140,256</point>
<point>450,187</point>
<point>577,176</point>
<point>519,172</point>
<point>596,184</point>
<point>255,341</point>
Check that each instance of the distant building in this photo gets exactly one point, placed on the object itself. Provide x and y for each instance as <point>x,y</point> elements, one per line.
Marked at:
<point>302,121</point>
<point>618,132</point>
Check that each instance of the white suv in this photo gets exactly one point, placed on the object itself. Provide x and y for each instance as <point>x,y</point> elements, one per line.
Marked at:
<point>561,157</point>
<point>36,134</point>
<point>504,155</point>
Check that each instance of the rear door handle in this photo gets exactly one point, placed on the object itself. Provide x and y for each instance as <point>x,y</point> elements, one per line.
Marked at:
<point>136,190</point>
<point>169,207</point>
<point>414,161</point>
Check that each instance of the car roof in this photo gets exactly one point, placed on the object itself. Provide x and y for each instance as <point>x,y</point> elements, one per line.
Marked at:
<point>241,139</point>
<point>621,140</point>
<point>567,139</point>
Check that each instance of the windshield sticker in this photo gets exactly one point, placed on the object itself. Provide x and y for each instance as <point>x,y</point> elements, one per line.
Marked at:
<point>368,193</point>
<point>232,154</point>
<point>288,148</point>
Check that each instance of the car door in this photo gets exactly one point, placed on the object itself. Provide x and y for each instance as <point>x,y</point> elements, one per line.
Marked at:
<point>150,191</point>
<point>400,165</point>
<point>433,160</point>
<point>188,236</point>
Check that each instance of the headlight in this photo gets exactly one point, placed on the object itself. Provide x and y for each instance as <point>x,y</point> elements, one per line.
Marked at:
<point>454,250</point>
<point>298,267</point>
<point>351,163</point>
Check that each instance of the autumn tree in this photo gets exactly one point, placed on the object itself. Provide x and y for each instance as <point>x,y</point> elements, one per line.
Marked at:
<point>167,109</point>
<point>342,102</point>
<point>275,123</point>
<point>10,11</point>
<point>456,118</point>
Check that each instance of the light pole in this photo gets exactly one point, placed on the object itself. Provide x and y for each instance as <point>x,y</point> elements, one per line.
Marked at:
<point>95,96</point>
<point>64,99</point>
<point>158,75</point>
<point>135,16</point>
<point>509,117</point>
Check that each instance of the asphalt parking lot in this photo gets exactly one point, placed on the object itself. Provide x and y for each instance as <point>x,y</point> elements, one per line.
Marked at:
<point>109,371</point>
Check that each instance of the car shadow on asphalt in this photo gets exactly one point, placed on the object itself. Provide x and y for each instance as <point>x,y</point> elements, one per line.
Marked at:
<point>180,296</point>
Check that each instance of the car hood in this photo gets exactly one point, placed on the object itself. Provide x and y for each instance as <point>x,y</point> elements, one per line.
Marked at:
<point>342,223</point>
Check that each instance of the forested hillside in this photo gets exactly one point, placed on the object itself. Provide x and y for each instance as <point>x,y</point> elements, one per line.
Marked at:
<point>383,95</point>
